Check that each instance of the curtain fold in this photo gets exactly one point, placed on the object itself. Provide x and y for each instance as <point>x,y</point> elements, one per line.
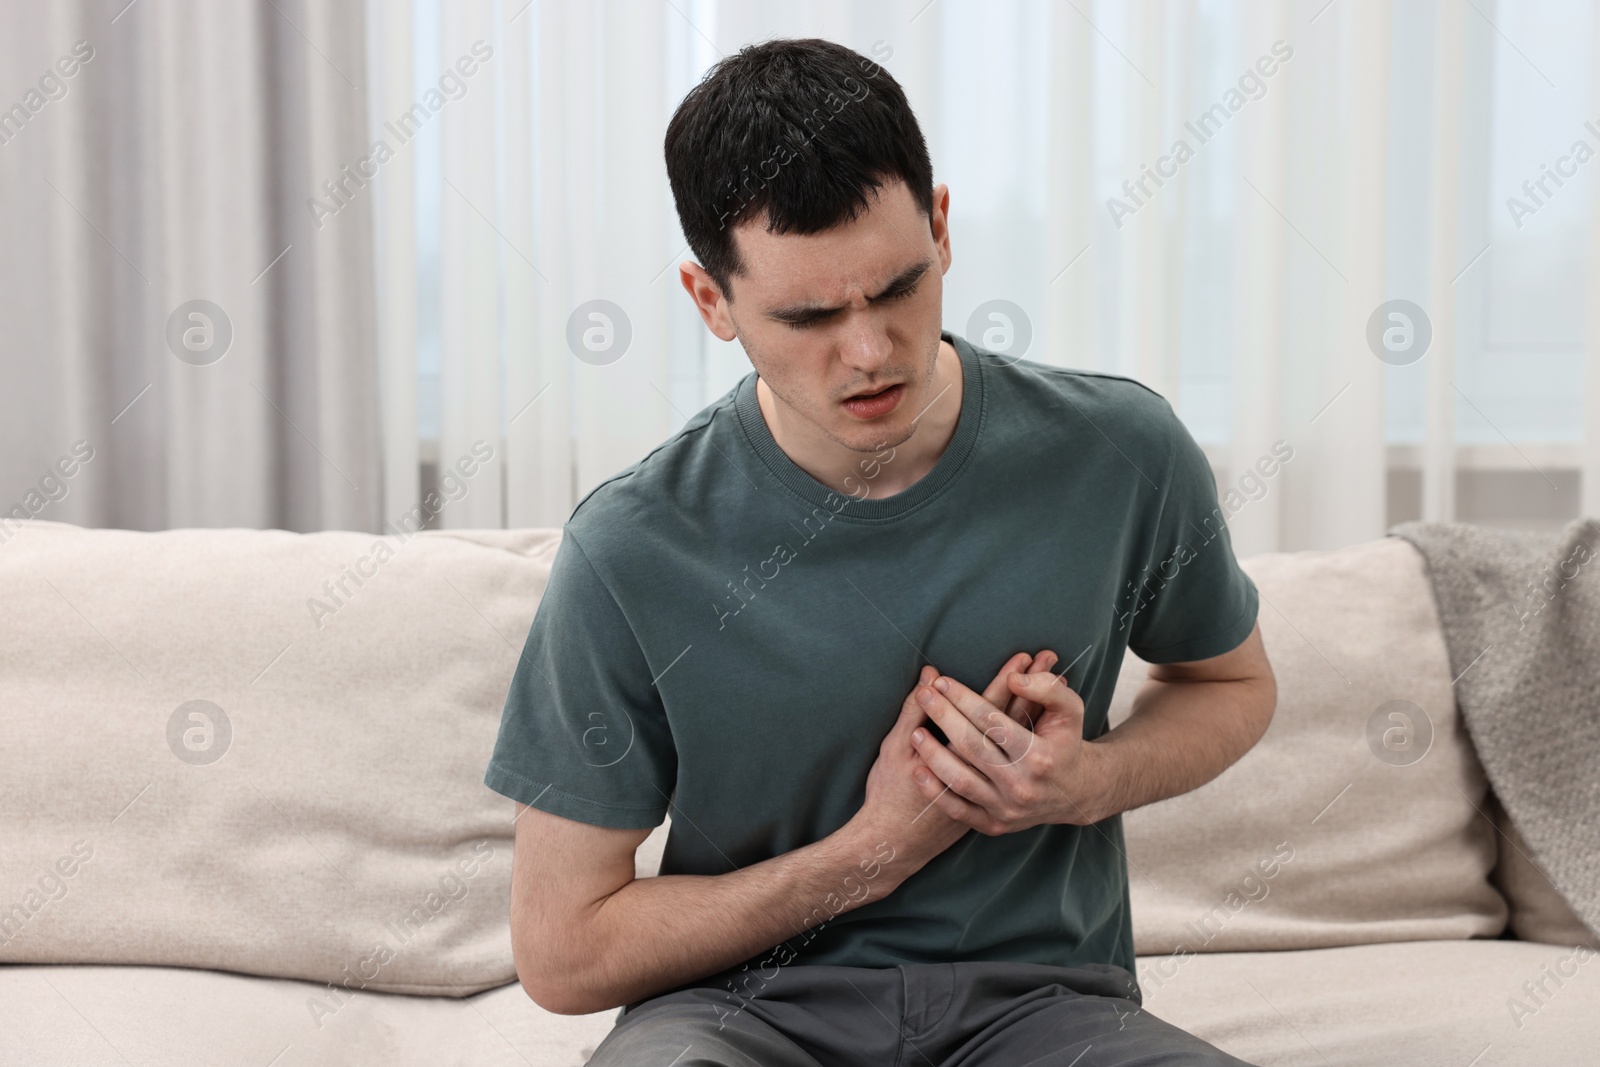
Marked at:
<point>1347,450</point>
<point>391,93</point>
<point>1260,293</point>
<point>1444,231</point>
<point>472,263</point>
<point>1589,486</point>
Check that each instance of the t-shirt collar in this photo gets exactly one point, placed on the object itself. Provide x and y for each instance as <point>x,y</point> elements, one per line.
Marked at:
<point>845,505</point>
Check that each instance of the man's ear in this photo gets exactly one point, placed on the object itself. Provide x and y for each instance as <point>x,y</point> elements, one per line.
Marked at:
<point>939,222</point>
<point>708,298</point>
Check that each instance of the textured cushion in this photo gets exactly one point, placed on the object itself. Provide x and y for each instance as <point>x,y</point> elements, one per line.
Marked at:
<point>344,834</point>
<point>1347,823</point>
<point>1538,910</point>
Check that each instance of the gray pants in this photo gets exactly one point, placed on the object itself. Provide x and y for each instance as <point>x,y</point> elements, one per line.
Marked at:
<point>967,1014</point>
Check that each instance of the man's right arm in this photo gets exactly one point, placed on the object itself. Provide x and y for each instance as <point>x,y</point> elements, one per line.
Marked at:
<point>588,936</point>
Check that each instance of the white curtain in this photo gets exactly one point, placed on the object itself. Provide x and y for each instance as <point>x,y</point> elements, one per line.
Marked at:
<point>179,330</point>
<point>399,210</point>
<point>1341,156</point>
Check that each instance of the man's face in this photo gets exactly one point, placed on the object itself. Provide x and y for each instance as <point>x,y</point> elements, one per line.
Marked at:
<point>825,317</point>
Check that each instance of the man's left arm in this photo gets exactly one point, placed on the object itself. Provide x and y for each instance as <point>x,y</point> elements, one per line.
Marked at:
<point>1190,721</point>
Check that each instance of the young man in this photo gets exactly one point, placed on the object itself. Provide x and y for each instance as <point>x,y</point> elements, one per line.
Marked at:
<point>784,625</point>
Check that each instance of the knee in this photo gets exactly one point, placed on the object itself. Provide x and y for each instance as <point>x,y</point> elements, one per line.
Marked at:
<point>689,1033</point>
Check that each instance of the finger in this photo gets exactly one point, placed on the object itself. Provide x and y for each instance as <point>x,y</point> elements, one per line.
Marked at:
<point>959,775</point>
<point>911,713</point>
<point>940,794</point>
<point>924,677</point>
<point>1021,709</point>
<point>1050,690</point>
<point>998,692</point>
<point>1010,738</point>
<point>978,732</point>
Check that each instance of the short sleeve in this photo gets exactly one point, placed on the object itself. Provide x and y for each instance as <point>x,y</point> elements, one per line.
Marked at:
<point>583,733</point>
<point>1191,600</point>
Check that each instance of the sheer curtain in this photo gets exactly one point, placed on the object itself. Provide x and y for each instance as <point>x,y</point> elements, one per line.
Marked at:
<point>1290,218</point>
<point>180,331</point>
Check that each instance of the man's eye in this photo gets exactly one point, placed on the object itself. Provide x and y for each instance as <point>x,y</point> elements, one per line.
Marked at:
<point>893,294</point>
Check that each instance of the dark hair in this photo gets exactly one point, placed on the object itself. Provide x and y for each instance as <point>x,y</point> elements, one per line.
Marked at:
<point>800,128</point>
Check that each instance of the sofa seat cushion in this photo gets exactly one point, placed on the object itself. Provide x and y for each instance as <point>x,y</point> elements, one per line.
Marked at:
<point>1418,1003</point>
<point>97,1016</point>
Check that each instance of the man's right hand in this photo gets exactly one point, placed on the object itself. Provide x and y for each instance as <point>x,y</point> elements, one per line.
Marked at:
<point>895,811</point>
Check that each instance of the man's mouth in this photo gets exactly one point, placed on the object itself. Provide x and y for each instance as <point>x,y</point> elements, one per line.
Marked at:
<point>874,404</point>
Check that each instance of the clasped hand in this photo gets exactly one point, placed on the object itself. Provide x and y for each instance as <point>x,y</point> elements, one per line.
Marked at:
<point>1016,755</point>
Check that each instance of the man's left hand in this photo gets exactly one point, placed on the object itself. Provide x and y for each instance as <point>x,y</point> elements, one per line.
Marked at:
<point>996,774</point>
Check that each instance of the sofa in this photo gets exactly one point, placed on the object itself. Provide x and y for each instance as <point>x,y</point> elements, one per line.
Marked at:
<point>244,820</point>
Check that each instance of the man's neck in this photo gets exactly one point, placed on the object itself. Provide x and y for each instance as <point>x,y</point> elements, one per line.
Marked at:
<point>842,469</point>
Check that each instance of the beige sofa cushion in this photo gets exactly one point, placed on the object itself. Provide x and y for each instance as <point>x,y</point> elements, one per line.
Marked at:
<point>1355,819</point>
<point>344,835</point>
<point>1538,910</point>
<point>117,1016</point>
<point>1478,1003</point>
<point>1428,1003</point>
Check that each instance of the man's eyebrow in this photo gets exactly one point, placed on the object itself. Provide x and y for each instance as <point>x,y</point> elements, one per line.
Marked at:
<point>800,312</point>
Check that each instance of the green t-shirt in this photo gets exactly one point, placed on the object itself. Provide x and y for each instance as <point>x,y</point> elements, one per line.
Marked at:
<point>722,631</point>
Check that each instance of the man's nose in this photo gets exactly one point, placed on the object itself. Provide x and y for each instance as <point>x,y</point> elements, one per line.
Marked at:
<point>865,344</point>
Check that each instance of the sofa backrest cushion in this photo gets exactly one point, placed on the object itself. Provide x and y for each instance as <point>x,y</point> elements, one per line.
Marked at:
<point>1538,910</point>
<point>262,751</point>
<point>1360,815</point>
